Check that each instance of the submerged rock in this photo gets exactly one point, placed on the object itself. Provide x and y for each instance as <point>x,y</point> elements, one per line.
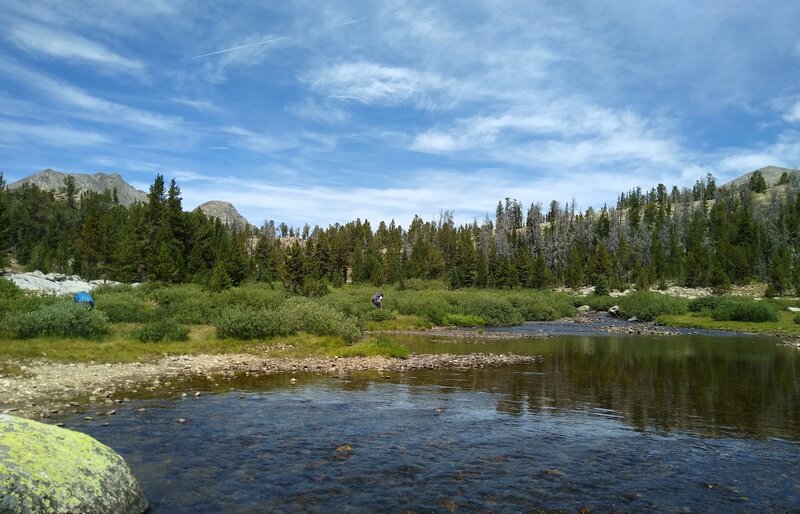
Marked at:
<point>49,469</point>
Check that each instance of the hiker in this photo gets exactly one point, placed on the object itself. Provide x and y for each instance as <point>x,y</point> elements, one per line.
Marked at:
<point>85,298</point>
<point>377,300</point>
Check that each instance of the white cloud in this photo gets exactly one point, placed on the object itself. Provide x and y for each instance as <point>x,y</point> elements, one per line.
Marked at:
<point>371,83</point>
<point>50,134</point>
<point>64,45</point>
<point>565,133</point>
<point>255,142</point>
<point>313,110</point>
<point>792,115</point>
<point>200,105</point>
<point>424,192</point>
<point>89,106</point>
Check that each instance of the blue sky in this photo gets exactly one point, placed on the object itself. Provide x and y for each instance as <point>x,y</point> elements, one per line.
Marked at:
<point>326,111</point>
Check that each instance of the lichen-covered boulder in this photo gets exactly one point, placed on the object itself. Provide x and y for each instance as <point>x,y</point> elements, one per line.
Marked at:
<point>44,468</point>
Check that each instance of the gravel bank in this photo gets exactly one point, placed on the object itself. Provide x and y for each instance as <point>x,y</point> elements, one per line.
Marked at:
<point>46,388</point>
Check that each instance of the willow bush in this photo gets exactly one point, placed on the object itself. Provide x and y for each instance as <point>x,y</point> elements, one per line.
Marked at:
<point>62,319</point>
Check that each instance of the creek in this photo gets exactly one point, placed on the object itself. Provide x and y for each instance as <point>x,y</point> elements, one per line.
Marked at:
<point>606,423</point>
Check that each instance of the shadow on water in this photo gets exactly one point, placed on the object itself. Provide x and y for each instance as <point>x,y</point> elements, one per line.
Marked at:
<point>603,423</point>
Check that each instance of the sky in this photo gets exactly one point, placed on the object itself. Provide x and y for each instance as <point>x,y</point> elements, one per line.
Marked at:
<point>324,111</point>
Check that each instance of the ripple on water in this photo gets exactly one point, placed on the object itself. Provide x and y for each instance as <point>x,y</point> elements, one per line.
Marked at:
<point>395,446</point>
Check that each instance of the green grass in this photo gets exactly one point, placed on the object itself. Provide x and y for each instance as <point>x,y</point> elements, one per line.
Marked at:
<point>784,325</point>
<point>408,322</point>
<point>378,347</point>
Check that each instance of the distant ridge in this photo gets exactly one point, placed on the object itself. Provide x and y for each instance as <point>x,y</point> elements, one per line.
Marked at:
<point>51,180</point>
<point>225,212</point>
<point>771,176</point>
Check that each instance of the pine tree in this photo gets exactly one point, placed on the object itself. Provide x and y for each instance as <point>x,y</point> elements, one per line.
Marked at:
<point>5,222</point>
<point>219,280</point>
<point>295,269</point>
<point>70,191</point>
<point>757,184</point>
<point>780,275</point>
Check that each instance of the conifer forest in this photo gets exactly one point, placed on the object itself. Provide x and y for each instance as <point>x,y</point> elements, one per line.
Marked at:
<point>699,236</point>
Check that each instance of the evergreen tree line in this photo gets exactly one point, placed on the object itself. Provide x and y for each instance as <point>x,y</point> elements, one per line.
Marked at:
<point>703,236</point>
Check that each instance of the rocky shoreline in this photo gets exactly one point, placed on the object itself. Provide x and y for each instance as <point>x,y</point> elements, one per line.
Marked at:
<point>44,389</point>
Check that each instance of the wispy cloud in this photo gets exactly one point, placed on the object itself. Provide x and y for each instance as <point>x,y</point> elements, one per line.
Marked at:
<point>254,141</point>
<point>88,105</point>
<point>372,83</point>
<point>313,110</point>
<point>60,136</point>
<point>64,45</point>
<point>792,114</point>
<point>566,133</point>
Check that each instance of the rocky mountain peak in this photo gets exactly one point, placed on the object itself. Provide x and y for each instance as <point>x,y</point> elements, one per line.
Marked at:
<point>52,180</point>
<point>226,213</point>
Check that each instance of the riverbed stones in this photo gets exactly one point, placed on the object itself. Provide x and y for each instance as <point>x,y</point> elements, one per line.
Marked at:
<point>44,468</point>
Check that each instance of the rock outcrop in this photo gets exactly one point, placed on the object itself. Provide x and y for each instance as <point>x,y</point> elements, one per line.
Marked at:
<point>53,283</point>
<point>44,468</point>
<point>51,180</point>
<point>226,213</point>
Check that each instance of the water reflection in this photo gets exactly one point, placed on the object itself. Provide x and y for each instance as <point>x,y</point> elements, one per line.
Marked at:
<point>604,424</point>
<point>718,386</point>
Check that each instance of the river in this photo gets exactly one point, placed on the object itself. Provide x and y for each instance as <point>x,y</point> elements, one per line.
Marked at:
<point>604,423</point>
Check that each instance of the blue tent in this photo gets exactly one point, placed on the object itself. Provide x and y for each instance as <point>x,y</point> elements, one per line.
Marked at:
<point>84,297</point>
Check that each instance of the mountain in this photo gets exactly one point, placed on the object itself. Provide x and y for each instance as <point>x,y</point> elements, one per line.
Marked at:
<point>771,176</point>
<point>51,180</point>
<point>226,213</point>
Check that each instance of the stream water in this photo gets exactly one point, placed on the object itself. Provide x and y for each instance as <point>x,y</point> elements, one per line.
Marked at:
<point>635,423</point>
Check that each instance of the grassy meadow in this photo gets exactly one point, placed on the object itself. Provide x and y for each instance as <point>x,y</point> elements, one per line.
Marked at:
<point>146,322</point>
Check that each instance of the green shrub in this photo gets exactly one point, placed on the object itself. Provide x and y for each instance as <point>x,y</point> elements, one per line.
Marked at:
<point>431,305</point>
<point>314,317</point>
<point>597,303</point>
<point>418,284</point>
<point>493,309</point>
<point>465,320</point>
<point>25,303</point>
<point>797,319</point>
<point>255,296</point>
<point>647,305</point>
<point>9,289</point>
<point>63,319</point>
<point>298,314</point>
<point>541,305</point>
<point>246,324</point>
<point>705,303</point>
<point>186,303</point>
<point>161,331</point>
<point>744,309</point>
<point>381,315</point>
<point>124,308</point>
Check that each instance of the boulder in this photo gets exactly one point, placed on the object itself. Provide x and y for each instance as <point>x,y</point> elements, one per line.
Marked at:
<point>583,308</point>
<point>614,311</point>
<point>794,309</point>
<point>44,468</point>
